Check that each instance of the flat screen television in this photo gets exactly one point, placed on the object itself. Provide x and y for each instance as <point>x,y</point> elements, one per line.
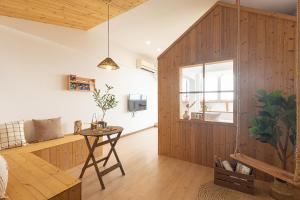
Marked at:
<point>137,102</point>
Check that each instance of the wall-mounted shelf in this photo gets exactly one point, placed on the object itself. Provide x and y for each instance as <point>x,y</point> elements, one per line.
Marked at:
<point>81,84</point>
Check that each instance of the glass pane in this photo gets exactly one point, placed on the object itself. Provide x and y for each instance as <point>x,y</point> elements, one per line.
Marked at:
<point>219,76</point>
<point>219,106</point>
<point>227,80</point>
<point>219,117</point>
<point>219,110</point>
<point>216,106</point>
<point>211,82</point>
<point>192,107</point>
<point>226,96</point>
<point>191,79</point>
<point>211,96</point>
<point>185,85</point>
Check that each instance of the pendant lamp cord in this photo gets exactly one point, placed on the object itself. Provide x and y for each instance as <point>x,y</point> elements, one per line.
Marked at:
<point>108,4</point>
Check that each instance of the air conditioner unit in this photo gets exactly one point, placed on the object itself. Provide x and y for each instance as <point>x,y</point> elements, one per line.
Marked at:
<point>144,65</point>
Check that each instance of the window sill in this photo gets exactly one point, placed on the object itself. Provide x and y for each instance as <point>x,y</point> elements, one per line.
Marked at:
<point>207,122</point>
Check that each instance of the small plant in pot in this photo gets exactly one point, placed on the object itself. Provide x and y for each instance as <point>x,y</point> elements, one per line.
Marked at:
<point>105,102</point>
<point>188,106</point>
<point>275,125</point>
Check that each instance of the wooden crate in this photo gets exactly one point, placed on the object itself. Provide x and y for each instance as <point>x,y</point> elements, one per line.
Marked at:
<point>233,180</point>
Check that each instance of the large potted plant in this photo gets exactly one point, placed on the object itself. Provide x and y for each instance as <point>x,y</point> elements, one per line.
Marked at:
<point>105,102</point>
<point>275,125</point>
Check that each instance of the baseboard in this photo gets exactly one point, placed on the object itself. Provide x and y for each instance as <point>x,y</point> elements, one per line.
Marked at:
<point>138,131</point>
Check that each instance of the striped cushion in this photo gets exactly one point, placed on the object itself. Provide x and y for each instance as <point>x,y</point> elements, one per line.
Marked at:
<point>12,135</point>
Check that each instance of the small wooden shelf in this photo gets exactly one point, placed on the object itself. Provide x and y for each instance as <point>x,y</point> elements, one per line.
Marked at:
<point>81,84</point>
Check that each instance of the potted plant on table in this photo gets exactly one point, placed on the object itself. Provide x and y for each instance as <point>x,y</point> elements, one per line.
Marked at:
<point>105,102</point>
<point>275,125</point>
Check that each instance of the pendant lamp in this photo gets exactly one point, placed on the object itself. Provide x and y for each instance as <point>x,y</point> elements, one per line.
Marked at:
<point>108,63</point>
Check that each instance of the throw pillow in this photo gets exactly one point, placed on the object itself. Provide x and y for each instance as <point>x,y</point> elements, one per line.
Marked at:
<point>48,129</point>
<point>3,177</point>
<point>12,135</point>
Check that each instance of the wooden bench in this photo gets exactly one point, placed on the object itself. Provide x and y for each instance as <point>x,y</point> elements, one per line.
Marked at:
<point>36,170</point>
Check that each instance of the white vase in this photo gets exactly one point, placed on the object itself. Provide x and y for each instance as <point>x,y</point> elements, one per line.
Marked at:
<point>3,177</point>
<point>186,115</point>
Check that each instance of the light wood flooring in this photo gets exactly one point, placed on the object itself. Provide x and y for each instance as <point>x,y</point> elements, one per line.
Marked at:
<point>148,176</point>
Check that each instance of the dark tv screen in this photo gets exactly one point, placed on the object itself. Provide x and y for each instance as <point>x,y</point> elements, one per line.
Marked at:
<point>137,102</point>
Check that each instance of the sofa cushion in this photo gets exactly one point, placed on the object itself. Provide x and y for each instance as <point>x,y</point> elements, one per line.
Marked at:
<point>3,177</point>
<point>29,132</point>
<point>47,129</point>
<point>12,135</point>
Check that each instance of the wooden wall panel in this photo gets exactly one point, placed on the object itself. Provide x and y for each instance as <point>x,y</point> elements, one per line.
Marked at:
<point>66,156</point>
<point>73,193</point>
<point>267,61</point>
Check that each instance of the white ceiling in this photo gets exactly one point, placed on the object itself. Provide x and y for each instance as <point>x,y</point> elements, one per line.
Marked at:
<point>158,21</point>
<point>163,21</point>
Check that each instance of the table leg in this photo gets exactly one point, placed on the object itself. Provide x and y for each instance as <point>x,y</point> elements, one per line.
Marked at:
<point>91,156</point>
<point>115,153</point>
<point>110,151</point>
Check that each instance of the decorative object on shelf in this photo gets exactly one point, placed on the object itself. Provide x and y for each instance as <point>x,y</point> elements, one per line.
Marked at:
<point>76,83</point>
<point>108,63</point>
<point>105,102</point>
<point>186,115</point>
<point>188,106</point>
<point>193,115</point>
<point>196,115</point>
<point>3,177</point>
<point>204,107</point>
<point>77,127</point>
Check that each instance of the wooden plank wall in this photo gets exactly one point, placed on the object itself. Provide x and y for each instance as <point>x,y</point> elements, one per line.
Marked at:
<point>267,61</point>
<point>68,155</point>
<point>297,167</point>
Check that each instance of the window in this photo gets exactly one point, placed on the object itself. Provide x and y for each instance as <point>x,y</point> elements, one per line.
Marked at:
<point>207,92</point>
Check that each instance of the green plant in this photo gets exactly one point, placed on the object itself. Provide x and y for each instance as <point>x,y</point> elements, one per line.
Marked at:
<point>189,106</point>
<point>106,101</point>
<point>275,123</point>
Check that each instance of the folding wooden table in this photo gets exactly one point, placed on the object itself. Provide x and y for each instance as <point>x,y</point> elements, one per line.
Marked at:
<point>112,134</point>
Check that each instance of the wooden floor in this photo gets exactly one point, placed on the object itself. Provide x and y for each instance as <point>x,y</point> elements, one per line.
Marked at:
<point>148,176</point>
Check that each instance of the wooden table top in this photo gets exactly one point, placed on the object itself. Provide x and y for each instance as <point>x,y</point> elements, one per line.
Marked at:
<point>30,177</point>
<point>102,132</point>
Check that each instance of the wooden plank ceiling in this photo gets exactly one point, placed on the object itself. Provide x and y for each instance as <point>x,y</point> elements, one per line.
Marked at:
<point>80,14</point>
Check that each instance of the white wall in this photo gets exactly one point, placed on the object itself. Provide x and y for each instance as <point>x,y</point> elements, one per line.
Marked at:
<point>35,59</point>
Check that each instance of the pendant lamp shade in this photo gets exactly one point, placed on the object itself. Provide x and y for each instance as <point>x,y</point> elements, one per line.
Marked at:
<point>108,63</point>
